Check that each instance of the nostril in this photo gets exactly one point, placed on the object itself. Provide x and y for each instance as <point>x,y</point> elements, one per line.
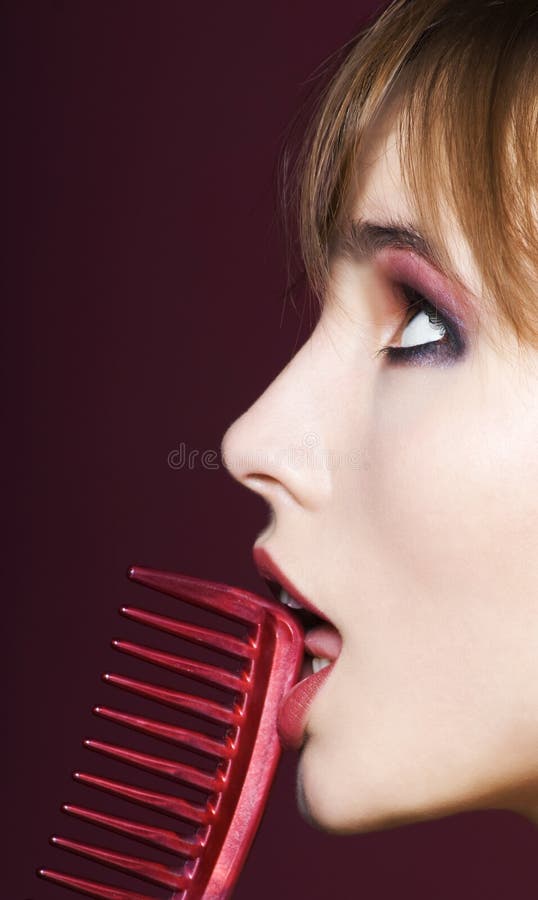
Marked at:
<point>260,451</point>
<point>258,480</point>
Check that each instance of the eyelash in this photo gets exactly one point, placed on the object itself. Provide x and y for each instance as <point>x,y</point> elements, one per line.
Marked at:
<point>445,351</point>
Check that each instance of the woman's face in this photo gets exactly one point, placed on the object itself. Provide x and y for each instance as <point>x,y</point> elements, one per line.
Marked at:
<point>404,499</point>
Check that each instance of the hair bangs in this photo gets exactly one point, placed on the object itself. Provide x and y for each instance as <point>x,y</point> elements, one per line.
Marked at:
<point>465,73</point>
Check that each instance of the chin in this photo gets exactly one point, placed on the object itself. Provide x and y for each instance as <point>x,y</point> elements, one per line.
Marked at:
<point>326,802</point>
<point>327,811</point>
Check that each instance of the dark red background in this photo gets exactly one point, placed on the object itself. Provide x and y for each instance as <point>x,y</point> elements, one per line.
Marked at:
<point>143,309</point>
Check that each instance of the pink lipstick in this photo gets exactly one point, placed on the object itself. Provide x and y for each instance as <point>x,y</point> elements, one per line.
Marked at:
<point>293,710</point>
<point>269,570</point>
<point>323,644</point>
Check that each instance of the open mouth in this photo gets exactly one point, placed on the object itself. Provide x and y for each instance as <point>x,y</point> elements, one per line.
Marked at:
<point>322,643</point>
<point>306,617</point>
<point>322,640</point>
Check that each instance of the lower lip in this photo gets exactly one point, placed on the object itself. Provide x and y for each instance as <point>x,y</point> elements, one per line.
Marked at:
<point>293,710</point>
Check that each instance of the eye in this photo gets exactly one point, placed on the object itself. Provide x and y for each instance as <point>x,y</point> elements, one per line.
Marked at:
<point>425,326</point>
<point>427,337</point>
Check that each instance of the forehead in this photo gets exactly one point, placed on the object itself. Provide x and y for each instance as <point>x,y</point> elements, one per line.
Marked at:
<point>379,193</point>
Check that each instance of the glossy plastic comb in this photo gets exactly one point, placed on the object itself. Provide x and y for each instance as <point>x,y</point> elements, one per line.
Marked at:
<point>204,861</point>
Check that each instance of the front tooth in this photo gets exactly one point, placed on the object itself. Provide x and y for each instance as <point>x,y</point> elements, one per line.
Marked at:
<point>319,663</point>
<point>289,601</point>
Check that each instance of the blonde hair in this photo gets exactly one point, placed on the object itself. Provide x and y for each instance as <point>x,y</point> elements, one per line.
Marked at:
<point>467,71</point>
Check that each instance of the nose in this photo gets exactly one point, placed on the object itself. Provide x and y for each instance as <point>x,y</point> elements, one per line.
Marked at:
<point>276,447</point>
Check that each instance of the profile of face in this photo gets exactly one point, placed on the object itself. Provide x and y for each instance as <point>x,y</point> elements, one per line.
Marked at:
<point>397,453</point>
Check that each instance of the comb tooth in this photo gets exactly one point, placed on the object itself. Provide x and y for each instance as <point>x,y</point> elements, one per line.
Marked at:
<point>165,803</point>
<point>168,768</point>
<point>176,735</point>
<point>90,888</point>
<point>157,837</point>
<point>133,865</point>
<point>184,666</point>
<point>196,634</point>
<point>232,603</point>
<point>198,706</point>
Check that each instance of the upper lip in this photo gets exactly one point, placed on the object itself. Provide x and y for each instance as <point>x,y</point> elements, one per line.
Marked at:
<point>270,573</point>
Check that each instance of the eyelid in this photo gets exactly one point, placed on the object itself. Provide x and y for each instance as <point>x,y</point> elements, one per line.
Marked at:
<point>417,302</point>
<point>406,267</point>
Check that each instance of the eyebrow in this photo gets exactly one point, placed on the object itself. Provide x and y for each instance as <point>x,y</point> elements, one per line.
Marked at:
<point>362,239</point>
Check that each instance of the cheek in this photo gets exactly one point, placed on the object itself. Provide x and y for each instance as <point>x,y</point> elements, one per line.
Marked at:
<point>432,705</point>
<point>452,492</point>
<point>445,532</point>
<point>452,507</point>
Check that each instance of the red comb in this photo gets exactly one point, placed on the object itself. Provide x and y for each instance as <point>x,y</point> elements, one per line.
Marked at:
<point>204,862</point>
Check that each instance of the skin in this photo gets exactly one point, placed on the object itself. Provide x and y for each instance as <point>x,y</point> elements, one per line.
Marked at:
<point>418,541</point>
